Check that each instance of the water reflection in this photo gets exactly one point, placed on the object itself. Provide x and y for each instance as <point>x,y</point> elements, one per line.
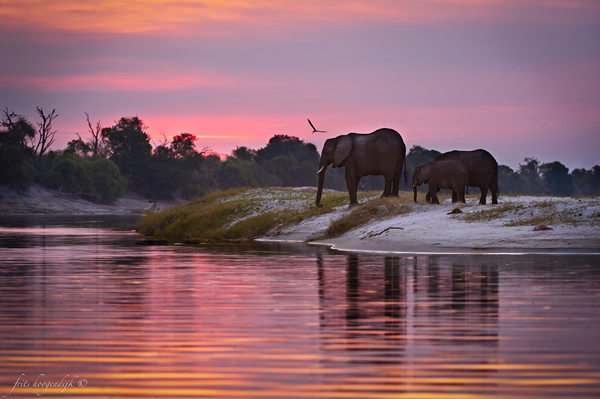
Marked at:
<point>79,298</point>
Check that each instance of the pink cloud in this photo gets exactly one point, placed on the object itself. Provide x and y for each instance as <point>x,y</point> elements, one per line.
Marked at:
<point>120,82</point>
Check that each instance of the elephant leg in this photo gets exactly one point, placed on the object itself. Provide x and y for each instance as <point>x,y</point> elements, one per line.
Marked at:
<point>454,196</point>
<point>387,191</point>
<point>433,194</point>
<point>494,190</point>
<point>460,194</point>
<point>396,184</point>
<point>352,184</point>
<point>483,195</point>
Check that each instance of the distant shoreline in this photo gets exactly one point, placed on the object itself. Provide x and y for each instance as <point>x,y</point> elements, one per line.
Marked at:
<point>38,200</point>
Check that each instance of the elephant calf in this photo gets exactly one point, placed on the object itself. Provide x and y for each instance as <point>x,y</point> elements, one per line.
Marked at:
<point>442,174</point>
<point>482,168</point>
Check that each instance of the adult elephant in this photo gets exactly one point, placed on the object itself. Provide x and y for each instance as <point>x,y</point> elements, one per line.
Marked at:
<point>450,174</point>
<point>379,153</point>
<point>482,169</point>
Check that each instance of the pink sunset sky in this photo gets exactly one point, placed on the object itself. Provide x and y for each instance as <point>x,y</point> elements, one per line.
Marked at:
<point>520,78</point>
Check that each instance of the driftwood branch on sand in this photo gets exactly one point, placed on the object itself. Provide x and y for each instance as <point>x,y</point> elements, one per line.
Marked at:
<point>383,231</point>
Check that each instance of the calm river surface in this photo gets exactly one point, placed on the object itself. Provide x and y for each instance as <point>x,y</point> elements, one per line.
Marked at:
<point>84,308</point>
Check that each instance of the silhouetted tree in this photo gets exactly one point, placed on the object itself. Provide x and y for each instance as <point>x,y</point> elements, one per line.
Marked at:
<point>78,147</point>
<point>45,136</point>
<point>177,167</point>
<point>130,148</point>
<point>556,178</point>
<point>15,168</point>
<point>183,145</point>
<point>531,181</point>
<point>230,175</point>
<point>16,131</point>
<point>418,155</point>
<point>587,182</point>
<point>97,179</point>
<point>97,142</point>
<point>293,161</point>
<point>509,181</point>
<point>244,153</point>
<point>128,136</point>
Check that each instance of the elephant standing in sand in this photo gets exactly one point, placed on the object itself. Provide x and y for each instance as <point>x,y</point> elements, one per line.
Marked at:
<point>482,169</point>
<point>379,153</point>
<point>441,174</point>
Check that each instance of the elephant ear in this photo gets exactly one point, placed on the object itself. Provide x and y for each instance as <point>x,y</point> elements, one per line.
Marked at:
<point>342,150</point>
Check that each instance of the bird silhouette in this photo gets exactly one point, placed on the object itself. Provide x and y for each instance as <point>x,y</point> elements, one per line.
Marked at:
<point>314,129</point>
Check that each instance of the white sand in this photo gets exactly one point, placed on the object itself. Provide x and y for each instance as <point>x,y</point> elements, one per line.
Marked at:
<point>429,229</point>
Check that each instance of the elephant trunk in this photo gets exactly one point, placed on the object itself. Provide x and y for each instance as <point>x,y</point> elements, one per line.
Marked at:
<point>415,188</point>
<point>321,173</point>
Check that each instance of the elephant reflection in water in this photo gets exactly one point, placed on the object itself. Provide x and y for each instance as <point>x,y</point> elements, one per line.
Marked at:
<point>365,304</point>
<point>461,295</point>
<point>363,300</point>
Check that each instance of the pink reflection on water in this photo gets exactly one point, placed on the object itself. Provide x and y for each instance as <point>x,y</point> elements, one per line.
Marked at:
<point>187,321</point>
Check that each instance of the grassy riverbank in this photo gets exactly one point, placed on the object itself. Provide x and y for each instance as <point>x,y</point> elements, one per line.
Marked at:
<point>236,214</point>
<point>249,213</point>
<point>289,214</point>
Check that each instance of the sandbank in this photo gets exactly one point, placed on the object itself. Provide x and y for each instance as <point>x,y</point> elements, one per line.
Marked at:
<point>428,229</point>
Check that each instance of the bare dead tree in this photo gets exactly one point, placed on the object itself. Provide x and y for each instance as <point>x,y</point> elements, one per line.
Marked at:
<point>16,129</point>
<point>8,122</point>
<point>45,134</point>
<point>96,142</point>
<point>163,142</point>
<point>8,119</point>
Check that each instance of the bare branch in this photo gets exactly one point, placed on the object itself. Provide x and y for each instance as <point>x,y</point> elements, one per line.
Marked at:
<point>383,231</point>
<point>17,130</point>
<point>45,133</point>
<point>7,122</point>
<point>164,141</point>
<point>96,141</point>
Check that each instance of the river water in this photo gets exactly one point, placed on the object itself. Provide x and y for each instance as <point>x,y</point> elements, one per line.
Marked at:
<point>84,312</point>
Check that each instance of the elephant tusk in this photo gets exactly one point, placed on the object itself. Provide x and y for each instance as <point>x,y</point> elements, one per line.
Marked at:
<point>320,170</point>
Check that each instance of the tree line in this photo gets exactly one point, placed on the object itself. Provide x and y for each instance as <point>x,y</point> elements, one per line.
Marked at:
<point>121,157</point>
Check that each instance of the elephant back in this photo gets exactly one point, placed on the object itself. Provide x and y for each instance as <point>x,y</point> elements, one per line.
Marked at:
<point>481,165</point>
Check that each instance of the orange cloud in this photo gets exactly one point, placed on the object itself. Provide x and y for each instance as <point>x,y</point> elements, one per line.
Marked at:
<point>205,16</point>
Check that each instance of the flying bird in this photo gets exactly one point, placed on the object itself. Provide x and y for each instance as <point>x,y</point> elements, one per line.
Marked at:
<point>314,129</point>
